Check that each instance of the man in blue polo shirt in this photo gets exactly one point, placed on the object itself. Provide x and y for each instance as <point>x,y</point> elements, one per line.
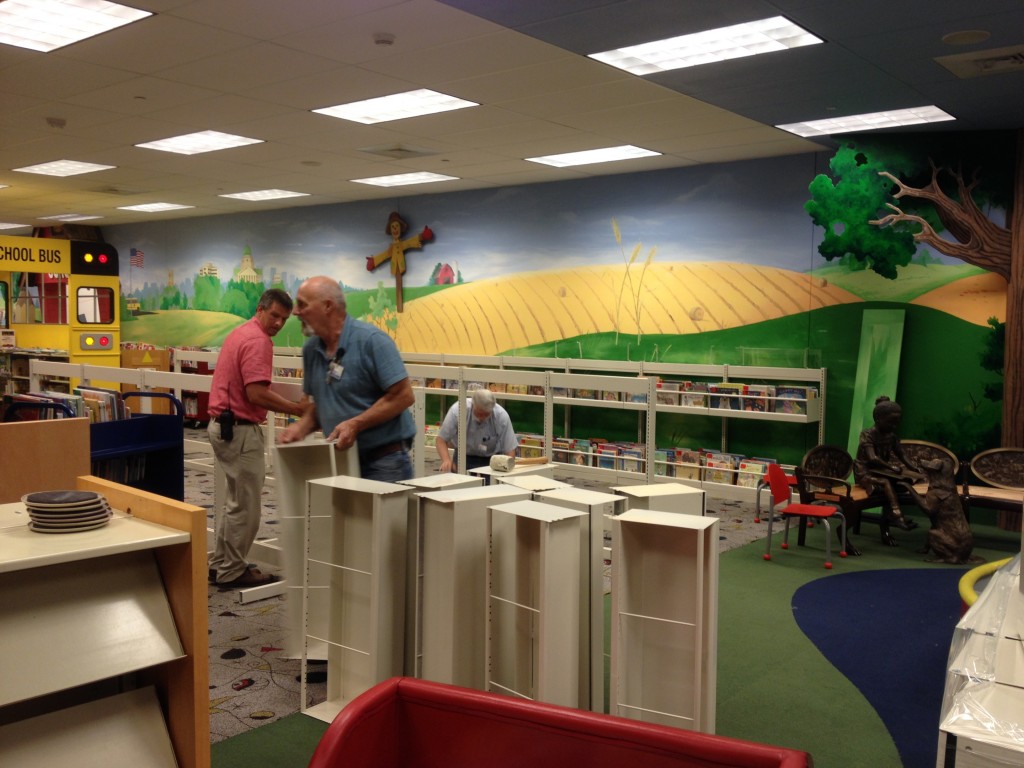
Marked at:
<point>358,382</point>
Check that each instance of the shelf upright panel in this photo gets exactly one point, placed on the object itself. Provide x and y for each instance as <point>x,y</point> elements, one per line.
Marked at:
<point>534,601</point>
<point>355,556</point>
<point>296,464</point>
<point>665,619</point>
<point>446,481</point>
<point>455,543</point>
<point>600,509</point>
<point>665,497</point>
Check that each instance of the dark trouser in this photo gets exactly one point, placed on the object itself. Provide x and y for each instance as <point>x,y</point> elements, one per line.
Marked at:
<point>475,462</point>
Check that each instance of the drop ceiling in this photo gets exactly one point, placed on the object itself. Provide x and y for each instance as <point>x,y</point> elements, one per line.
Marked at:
<point>257,68</point>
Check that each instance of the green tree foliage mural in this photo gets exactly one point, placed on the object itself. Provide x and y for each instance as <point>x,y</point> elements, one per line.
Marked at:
<point>208,293</point>
<point>886,196</point>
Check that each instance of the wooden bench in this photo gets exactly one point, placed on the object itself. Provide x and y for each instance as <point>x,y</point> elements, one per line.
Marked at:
<point>994,479</point>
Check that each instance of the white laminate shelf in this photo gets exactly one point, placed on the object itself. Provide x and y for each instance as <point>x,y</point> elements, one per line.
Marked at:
<point>81,607</point>
<point>21,548</point>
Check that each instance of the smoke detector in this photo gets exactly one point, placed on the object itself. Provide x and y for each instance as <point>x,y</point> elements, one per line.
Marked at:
<point>383,38</point>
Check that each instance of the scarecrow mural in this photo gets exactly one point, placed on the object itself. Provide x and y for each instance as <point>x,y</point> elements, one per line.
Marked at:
<point>395,253</point>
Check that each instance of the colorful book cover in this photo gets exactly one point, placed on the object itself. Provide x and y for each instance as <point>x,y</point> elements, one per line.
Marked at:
<point>632,459</point>
<point>667,393</point>
<point>694,394</point>
<point>686,464</point>
<point>727,395</point>
<point>717,471</point>
<point>791,399</point>
<point>759,398</point>
<point>663,458</point>
<point>750,473</point>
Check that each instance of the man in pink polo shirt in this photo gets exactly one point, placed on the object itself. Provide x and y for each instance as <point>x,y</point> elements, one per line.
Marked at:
<point>240,397</point>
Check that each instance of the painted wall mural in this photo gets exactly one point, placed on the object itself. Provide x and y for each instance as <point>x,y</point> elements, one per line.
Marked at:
<point>761,262</point>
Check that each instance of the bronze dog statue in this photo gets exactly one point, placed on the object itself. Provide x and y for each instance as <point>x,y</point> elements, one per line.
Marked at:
<point>950,538</point>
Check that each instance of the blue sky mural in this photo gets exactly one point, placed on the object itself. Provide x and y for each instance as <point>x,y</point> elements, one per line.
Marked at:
<point>748,212</point>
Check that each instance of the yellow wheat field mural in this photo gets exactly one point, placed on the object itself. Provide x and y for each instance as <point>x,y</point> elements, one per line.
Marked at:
<point>488,317</point>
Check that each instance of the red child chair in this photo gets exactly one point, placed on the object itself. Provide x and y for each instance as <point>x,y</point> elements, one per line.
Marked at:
<point>782,494</point>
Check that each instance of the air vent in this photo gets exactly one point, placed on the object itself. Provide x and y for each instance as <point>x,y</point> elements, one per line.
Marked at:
<point>119,191</point>
<point>399,151</point>
<point>978,63</point>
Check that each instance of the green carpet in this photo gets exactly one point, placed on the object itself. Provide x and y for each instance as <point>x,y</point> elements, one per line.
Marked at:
<point>773,684</point>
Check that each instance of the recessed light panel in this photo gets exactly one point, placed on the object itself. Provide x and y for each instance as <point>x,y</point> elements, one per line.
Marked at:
<point>7,225</point>
<point>404,179</point>
<point>872,121</point>
<point>396,107</point>
<point>45,25</point>
<point>154,207</point>
<point>588,156</point>
<point>70,217</point>
<point>64,167</point>
<point>748,39</point>
<point>265,194</point>
<point>197,143</point>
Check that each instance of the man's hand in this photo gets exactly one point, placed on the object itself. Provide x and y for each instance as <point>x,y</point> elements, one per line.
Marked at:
<point>343,436</point>
<point>290,434</point>
<point>446,466</point>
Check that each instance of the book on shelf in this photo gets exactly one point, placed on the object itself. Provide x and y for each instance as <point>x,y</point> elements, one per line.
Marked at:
<point>631,458</point>
<point>517,389</point>
<point>719,471</point>
<point>758,398</point>
<point>560,392</point>
<point>693,394</point>
<point>686,464</point>
<point>530,446</point>
<point>110,405</point>
<point>667,393</point>
<point>793,399</point>
<point>750,473</point>
<point>607,455</point>
<point>582,452</point>
<point>432,382</point>
<point>499,387</point>
<point>430,432</point>
<point>585,394</point>
<point>637,397</point>
<point>663,462</point>
<point>560,449</point>
<point>610,395</point>
<point>727,395</point>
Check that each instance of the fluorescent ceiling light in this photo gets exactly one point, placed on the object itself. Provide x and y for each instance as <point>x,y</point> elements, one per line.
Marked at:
<point>6,225</point>
<point>197,143</point>
<point>70,217</point>
<point>154,207</point>
<point>404,179</point>
<point>587,156</point>
<point>396,107</point>
<point>749,39</point>
<point>63,167</point>
<point>872,121</point>
<point>45,25</point>
<point>266,194</point>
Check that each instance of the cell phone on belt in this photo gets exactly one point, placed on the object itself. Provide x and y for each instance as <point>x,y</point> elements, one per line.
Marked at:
<point>226,419</point>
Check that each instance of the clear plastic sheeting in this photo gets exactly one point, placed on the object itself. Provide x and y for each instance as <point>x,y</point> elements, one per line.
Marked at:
<point>983,701</point>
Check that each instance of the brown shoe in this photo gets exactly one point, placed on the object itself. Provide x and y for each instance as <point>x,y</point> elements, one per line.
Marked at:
<point>253,577</point>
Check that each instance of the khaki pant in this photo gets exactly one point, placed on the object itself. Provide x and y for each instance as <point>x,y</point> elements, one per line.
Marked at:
<point>240,470</point>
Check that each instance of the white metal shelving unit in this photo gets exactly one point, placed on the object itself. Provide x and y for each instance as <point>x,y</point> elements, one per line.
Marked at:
<point>665,618</point>
<point>455,542</point>
<point>534,601</point>
<point>355,568</point>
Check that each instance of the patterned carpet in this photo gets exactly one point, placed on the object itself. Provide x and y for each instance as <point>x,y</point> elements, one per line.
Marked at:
<point>252,682</point>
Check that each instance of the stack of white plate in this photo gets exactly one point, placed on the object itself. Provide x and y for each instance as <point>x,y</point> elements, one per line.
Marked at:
<point>66,511</point>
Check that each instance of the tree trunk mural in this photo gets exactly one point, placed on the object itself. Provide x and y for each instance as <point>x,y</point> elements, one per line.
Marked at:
<point>980,242</point>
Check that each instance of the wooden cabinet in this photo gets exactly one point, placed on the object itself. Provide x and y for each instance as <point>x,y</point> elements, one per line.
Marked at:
<point>355,573</point>
<point>665,618</point>
<point>106,629</point>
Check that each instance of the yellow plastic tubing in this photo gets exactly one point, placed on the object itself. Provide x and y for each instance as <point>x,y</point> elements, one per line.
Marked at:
<point>973,576</point>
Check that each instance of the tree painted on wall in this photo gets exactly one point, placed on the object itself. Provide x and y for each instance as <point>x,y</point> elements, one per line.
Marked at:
<point>208,293</point>
<point>934,190</point>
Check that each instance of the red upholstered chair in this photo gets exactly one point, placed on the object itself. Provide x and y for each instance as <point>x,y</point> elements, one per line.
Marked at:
<point>409,723</point>
<point>782,495</point>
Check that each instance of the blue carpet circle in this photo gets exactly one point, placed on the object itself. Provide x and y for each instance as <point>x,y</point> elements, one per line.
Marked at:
<point>888,632</point>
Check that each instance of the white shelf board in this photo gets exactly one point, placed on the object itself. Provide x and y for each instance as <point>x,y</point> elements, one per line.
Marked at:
<point>99,621</point>
<point>123,731</point>
<point>22,548</point>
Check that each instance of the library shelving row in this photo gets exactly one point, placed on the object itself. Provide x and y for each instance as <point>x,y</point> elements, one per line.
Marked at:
<point>631,387</point>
